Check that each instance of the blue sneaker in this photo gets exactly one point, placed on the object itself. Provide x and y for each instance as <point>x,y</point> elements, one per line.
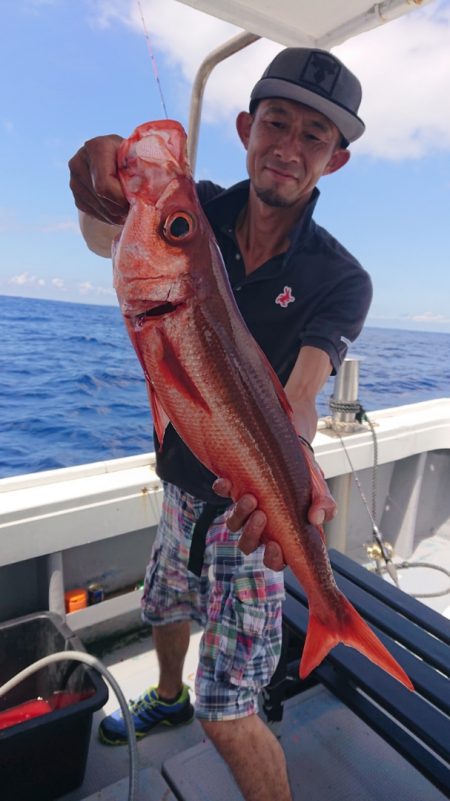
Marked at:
<point>147,712</point>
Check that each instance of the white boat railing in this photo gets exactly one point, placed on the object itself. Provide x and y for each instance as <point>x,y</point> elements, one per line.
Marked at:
<point>49,514</point>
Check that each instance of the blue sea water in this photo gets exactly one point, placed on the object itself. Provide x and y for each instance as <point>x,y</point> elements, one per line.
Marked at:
<point>72,390</point>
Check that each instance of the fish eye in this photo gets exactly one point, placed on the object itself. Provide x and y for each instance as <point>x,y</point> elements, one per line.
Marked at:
<point>178,226</point>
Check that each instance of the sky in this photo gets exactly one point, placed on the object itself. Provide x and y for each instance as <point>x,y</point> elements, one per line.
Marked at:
<point>75,69</point>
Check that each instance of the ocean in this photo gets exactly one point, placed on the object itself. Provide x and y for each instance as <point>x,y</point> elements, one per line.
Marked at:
<point>72,390</point>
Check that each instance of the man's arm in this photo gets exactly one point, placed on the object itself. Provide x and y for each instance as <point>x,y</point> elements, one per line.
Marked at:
<point>98,235</point>
<point>310,372</point>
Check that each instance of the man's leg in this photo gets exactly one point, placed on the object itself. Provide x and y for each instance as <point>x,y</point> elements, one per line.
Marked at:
<point>171,598</point>
<point>253,755</point>
<point>239,653</point>
<point>171,644</point>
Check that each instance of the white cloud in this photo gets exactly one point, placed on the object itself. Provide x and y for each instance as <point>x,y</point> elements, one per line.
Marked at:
<point>108,291</point>
<point>87,289</point>
<point>25,279</point>
<point>9,221</point>
<point>167,22</point>
<point>404,67</point>
<point>429,317</point>
<point>56,227</point>
<point>58,283</point>
<point>424,321</point>
<point>29,284</point>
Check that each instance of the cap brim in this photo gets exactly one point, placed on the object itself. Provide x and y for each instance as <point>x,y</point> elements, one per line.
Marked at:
<point>350,126</point>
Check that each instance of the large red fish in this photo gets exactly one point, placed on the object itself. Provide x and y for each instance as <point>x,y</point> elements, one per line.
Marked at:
<point>207,375</point>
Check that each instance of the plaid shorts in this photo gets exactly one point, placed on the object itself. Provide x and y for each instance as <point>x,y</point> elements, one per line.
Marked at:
<point>237,600</point>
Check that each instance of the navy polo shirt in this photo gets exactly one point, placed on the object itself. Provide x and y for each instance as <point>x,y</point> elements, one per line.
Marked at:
<point>315,293</point>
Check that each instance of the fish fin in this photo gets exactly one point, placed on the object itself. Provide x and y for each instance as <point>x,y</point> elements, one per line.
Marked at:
<point>174,374</point>
<point>281,395</point>
<point>277,385</point>
<point>160,418</point>
<point>320,492</point>
<point>351,630</point>
<point>322,533</point>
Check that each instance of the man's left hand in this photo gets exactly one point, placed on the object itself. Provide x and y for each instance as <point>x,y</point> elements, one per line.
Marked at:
<point>245,515</point>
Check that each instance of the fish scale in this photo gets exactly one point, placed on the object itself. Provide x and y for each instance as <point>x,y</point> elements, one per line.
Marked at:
<point>209,378</point>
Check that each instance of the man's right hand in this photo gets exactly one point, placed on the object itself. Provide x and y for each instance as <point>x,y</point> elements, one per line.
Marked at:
<point>245,515</point>
<point>94,183</point>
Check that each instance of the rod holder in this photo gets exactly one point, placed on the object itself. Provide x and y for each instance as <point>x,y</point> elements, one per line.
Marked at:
<point>344,403</point>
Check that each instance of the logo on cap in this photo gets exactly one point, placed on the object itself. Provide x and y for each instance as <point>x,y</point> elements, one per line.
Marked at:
<point>285,297</point>
<point>321,72</point>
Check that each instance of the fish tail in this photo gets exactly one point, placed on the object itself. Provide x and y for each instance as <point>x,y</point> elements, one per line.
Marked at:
<point>350,629</point>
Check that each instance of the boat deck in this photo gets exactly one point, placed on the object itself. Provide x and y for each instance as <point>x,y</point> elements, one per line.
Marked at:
<point>55,526</point>
<point>331,753</point>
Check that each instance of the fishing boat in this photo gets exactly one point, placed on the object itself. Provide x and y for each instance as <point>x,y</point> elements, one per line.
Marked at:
<point>92,526</point>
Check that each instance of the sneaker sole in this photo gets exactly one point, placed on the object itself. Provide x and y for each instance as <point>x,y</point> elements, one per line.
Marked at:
<point>141,734</point>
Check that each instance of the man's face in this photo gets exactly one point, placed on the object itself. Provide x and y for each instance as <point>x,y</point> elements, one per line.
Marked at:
<point>289,147</point>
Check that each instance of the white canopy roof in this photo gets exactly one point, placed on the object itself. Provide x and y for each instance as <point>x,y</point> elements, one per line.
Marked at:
<point>315,23</point>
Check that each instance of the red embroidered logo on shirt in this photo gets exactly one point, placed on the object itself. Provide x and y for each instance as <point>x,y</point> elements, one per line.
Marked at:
<point>285,297</point>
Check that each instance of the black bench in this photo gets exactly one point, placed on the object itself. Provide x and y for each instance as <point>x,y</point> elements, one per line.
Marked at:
<point>416,724</point>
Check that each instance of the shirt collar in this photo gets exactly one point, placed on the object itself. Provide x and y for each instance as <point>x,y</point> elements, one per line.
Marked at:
<point>225,207</point>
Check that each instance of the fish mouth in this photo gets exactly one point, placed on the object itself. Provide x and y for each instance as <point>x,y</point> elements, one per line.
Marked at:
<point>157,310</point>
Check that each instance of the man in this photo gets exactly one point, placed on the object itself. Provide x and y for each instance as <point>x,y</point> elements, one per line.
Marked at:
<point>304,297</point>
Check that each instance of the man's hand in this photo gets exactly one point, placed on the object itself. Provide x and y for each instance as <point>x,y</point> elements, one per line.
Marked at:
<point>245,515</point>
<point>94,183</point>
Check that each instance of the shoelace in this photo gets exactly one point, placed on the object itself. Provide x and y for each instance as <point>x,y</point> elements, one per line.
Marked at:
<point>142,702</point>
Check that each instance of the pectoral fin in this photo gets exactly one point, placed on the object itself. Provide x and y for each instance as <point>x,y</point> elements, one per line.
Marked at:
<point>160,418</point>
<point>176,376</point>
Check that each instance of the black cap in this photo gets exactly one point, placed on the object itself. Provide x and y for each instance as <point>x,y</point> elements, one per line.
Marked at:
<point>317,79</point>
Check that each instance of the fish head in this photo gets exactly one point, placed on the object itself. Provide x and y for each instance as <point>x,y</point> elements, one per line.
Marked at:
<point>166,238</point>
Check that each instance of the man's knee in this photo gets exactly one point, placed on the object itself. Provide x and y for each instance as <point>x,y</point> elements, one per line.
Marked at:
<point>222,732</point>
<point>218,731</point>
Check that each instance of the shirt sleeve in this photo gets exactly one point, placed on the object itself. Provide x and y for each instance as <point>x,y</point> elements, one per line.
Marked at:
<point>207,190</point>
<point>340,316</point>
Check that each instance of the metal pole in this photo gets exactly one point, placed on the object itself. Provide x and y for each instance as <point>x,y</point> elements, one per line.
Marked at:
<point>344,407</point>
<point>55,575</point>
<point>336,531</point>
<point>215,57</point>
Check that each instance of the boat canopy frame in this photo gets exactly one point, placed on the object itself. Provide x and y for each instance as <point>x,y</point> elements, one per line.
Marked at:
<point>284,21</point>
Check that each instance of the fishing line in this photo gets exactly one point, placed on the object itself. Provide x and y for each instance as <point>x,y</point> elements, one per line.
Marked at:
<point>390,566</point>
<point>152,59</point>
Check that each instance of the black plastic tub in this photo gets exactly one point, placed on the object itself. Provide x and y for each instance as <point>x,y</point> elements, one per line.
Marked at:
<point>45,757</point>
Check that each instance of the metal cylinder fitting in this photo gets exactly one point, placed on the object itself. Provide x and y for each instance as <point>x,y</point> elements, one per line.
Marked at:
<point>344,402</point>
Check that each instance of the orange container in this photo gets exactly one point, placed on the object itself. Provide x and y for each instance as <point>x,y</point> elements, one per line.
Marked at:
<point>75,599</point>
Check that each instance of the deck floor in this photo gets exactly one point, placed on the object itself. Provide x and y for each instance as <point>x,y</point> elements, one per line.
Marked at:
<point>430,551</point>
<point>331,753</point>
